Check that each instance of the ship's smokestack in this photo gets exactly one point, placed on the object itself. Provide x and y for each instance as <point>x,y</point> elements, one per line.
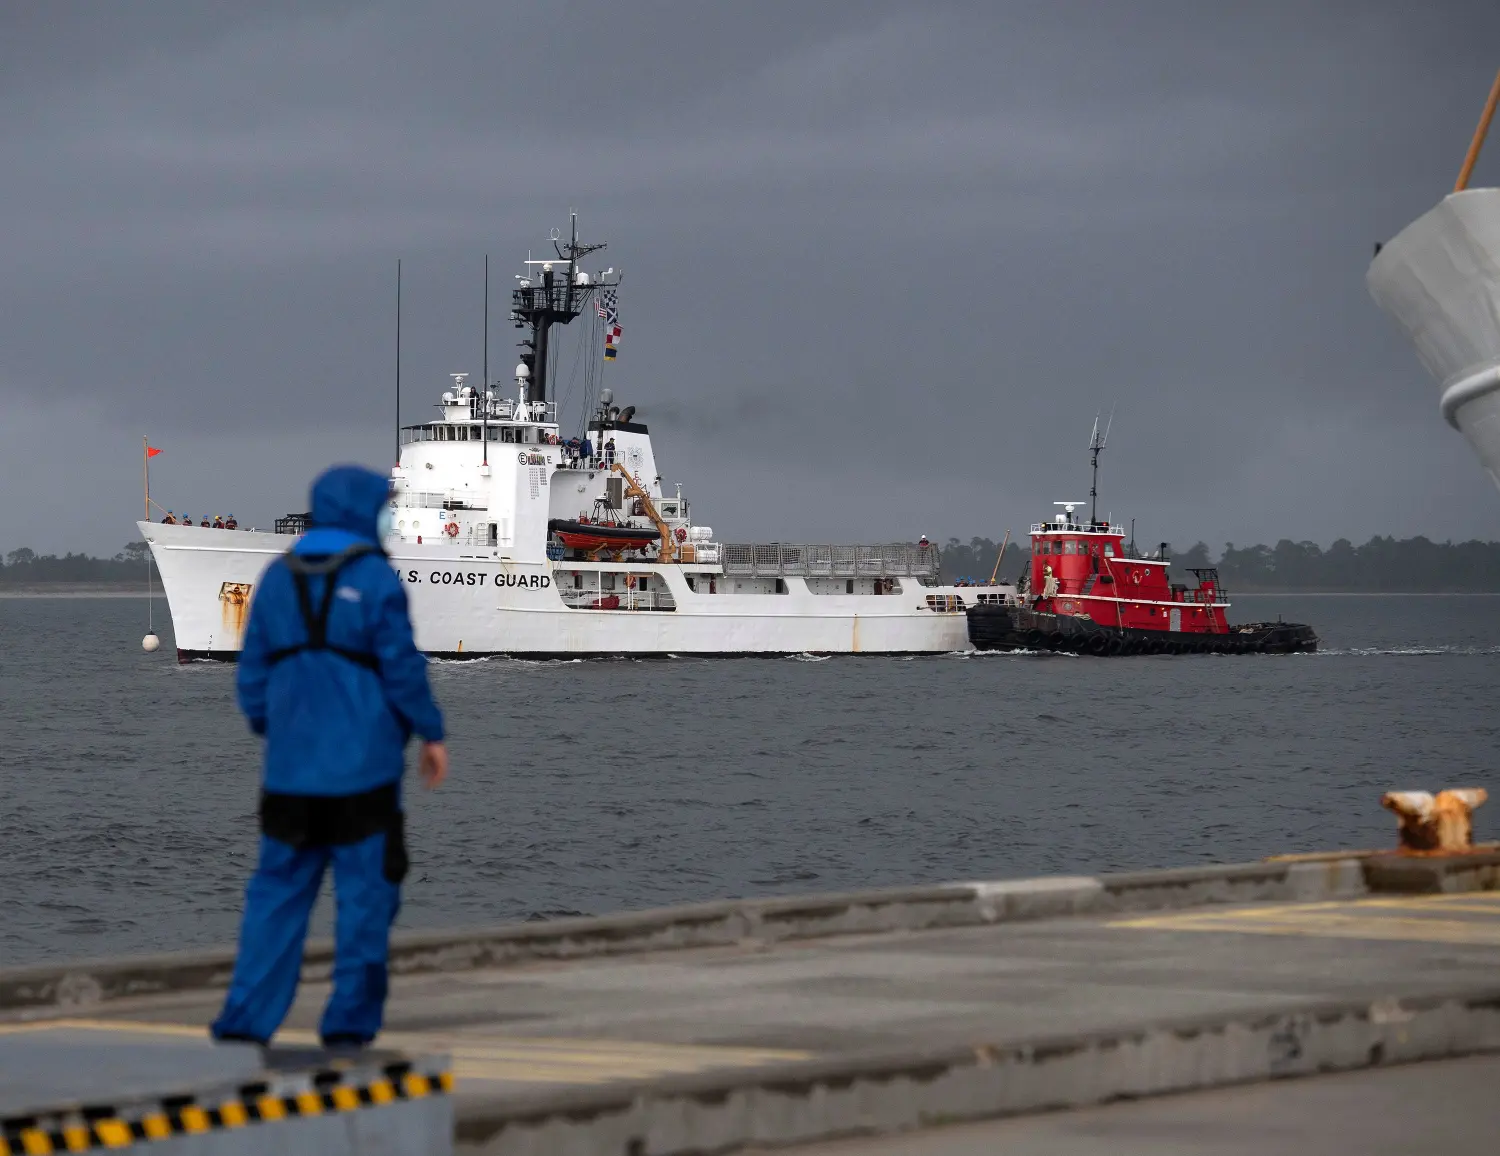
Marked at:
<point>1440,280</point>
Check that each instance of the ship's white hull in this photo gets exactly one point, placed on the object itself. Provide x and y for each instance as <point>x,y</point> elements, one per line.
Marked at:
<point>470,606</point>
<point>1440,279</point>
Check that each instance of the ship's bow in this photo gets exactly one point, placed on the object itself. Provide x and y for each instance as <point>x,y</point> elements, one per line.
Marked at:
<point>209,577</point>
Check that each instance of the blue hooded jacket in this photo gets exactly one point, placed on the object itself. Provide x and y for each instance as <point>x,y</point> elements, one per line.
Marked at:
<point>335,724</point>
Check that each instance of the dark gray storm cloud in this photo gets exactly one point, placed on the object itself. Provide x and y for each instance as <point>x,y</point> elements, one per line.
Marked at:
<point>883,262</point>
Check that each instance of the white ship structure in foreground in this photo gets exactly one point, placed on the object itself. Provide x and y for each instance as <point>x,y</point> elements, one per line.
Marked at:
<point>514,541</point>
<point>1440,279</point>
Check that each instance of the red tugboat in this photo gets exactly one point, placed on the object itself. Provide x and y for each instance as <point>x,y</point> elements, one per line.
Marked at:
<point>1088,591</point>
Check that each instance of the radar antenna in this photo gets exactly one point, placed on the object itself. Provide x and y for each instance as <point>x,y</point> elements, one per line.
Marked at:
<point>556,300</point>
<point>1096,447</point>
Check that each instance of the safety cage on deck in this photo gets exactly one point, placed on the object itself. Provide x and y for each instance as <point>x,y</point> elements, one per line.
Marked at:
<point>294,524</point>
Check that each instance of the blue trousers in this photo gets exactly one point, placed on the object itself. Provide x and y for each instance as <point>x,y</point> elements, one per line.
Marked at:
<point>278,901</point>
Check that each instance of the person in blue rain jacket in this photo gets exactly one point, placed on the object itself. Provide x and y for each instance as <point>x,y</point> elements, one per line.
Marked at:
<point>330,676</point>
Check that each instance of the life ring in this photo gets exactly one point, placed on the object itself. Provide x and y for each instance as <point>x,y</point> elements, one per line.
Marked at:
<point>451,529</point>
<point>681,534</point>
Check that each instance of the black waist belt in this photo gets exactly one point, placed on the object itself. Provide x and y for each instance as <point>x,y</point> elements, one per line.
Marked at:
<point>329,820</point>
<point>305,821</point>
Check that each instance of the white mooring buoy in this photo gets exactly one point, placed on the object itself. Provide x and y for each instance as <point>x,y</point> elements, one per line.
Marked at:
<point>150,643</point>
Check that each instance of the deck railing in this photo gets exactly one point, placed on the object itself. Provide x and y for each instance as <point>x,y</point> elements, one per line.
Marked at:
<point>780,559</point>
<point>624,599</point>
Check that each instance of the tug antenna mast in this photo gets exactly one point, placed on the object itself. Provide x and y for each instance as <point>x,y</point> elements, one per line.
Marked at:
<point>1096,447</point>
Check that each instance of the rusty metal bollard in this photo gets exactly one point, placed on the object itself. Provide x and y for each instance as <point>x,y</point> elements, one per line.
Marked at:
<point>1441,825</point>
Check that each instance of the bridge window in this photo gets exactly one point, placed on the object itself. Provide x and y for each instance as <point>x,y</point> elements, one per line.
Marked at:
<point>1070,546</point>
<point>1109,551</point>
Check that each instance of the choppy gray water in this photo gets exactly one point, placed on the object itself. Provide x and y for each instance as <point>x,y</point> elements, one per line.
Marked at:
<point>130,781</point>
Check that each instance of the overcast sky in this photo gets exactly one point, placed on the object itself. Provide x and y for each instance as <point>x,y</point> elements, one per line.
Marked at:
<point>882,263</point>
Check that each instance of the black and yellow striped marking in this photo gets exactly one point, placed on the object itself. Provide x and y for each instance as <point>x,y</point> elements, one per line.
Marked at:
<point>86,1129</point>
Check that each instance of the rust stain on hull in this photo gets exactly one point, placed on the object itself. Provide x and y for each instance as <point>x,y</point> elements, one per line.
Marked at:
<point>234,604</point>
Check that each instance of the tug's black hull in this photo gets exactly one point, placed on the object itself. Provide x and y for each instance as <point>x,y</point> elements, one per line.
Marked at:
<point>1017,628</point>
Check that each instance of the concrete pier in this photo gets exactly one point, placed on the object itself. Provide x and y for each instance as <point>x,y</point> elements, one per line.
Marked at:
<point>733,1025</point>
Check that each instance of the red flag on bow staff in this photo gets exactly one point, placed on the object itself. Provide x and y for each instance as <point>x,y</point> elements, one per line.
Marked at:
<point>150,452</point>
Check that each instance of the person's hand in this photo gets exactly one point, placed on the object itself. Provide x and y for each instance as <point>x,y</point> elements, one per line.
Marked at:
<point>433,765</point>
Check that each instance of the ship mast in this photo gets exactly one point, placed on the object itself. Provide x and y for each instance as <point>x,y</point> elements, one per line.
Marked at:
<point>1096,446</point>
<point>556,300</point>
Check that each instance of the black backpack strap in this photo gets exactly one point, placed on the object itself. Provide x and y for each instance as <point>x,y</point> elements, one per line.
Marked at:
<point>317,628</point>
<point>303,567</point>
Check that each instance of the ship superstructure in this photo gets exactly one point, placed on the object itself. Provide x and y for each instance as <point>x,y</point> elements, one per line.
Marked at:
<point>514,539</point>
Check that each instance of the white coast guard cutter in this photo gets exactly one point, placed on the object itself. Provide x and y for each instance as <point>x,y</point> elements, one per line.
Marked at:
<point>513,540</point>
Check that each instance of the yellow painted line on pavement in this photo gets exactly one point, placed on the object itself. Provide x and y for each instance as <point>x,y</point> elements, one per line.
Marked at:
<point>1420,918</point>
<point>1433,906</point>
<point>510,1059</point>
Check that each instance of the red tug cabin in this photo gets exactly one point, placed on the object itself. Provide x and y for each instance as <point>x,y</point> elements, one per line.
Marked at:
<point>1083,568</point>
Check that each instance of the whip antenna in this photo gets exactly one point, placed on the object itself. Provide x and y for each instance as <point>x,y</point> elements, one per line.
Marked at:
<point>1096,447</point>
<point>398,360</point>
<point>484,381</point>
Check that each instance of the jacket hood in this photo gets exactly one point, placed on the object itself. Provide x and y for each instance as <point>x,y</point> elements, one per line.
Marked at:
<point>349,498</point>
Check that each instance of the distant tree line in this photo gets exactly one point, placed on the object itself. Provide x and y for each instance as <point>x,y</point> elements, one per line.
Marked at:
<point>26,567</point>
<point>1415,565</point>
<point>1407,565</point>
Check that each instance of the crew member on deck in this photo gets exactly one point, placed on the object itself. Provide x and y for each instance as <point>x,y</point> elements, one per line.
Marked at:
<point>218,522</point>
<point>330,676</point>
<point>169,520</point>
<point>205,523</point>
<point>230,523</point>
<point>1049,582</point>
